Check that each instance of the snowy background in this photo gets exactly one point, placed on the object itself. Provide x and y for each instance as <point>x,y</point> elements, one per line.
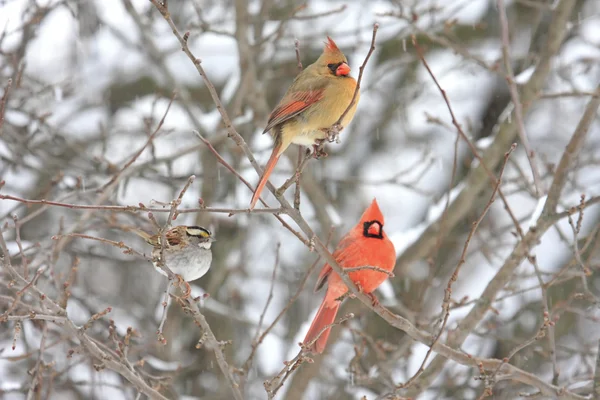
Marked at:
<point>83,86</point>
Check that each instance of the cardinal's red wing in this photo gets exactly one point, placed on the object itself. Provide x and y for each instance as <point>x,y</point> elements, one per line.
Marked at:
<point>292,105</point>
<point>325,272</point>
<point>342,254</point>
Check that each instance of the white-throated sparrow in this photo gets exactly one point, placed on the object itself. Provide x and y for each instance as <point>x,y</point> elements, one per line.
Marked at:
<point>187,252</point>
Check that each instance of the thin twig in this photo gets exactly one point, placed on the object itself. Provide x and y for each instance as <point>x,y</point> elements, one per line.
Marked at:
<point>140,207</point>
<point>298,174</point>
<point>3,102</point>
<point>390,274</point>
<point>34,316</point>
<point>141,150</point>
<point>270,296</point>
<point>24,262</point>
<point>541,333</point>
<point>303,159</point>
<point>297,49</point>
<point>463,135</point>
<point>215,345</point>
<point>322,14</point>
<point>163,318</point>
<point>334,131</point>
<point>120,245</point>
<point>514,94</point>
<point>547,313</point>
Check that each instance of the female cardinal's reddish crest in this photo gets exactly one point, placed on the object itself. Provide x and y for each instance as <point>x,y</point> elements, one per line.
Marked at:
<point>316,100</point>
<point>331,47</point>
<point>365,245</point>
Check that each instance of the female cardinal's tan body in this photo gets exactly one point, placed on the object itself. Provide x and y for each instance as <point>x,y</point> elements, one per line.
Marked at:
<point>316,100</point>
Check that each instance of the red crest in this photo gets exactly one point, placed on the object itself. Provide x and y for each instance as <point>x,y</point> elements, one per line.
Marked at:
<point>330,46</point>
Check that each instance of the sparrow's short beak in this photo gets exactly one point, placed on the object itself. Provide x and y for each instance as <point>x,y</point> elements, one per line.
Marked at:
<point>212,239</point>
<point>343,69</point>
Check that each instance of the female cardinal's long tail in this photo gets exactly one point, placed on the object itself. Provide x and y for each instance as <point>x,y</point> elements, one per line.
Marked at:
<point>325,316</point>
<point>265,177</point>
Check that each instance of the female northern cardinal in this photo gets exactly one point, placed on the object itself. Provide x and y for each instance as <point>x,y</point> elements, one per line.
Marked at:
<point>316,100</point>
<point>365,245</point>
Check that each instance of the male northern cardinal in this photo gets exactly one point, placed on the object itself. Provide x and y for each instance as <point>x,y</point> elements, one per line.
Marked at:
<point>316,100</point>
<point>365,245</point>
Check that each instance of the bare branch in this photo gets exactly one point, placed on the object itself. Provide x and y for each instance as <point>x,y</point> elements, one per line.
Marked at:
<point>514,93</point>
<point>3,103</point>
<point>215,346</point>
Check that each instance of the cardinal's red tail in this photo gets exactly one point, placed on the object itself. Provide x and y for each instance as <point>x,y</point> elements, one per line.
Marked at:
<point>265,177</point>
<point>325,316</point>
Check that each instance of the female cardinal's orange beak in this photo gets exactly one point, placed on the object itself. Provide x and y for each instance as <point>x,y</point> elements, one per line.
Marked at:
<point>342,70</point>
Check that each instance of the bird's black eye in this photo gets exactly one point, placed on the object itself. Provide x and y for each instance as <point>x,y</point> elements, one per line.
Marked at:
<point>333,67</point>
<point>373,229</point>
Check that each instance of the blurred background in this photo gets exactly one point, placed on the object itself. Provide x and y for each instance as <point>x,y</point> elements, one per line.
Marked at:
<point>84,85</point>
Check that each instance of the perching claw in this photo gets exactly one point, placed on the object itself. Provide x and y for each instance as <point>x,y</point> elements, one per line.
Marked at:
<point>318,150</point>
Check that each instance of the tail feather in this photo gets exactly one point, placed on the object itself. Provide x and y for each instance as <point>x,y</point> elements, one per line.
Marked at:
<point>143,234</point>
<point>325,316</point>
<point>265,176</point>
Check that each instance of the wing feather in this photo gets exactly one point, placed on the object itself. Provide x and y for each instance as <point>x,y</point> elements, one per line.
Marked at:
<point>292,105</point>
<point>343,254</point>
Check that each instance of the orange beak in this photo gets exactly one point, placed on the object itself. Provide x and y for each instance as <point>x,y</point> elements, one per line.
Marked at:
<point>342,70</point>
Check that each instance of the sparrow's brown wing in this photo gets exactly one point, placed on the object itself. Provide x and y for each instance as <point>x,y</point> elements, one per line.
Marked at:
<point>173,236</point>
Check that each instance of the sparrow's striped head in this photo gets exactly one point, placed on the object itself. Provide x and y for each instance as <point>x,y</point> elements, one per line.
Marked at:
<point>200,233</point>
<point>200,236</point>
<point>197,231</point>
